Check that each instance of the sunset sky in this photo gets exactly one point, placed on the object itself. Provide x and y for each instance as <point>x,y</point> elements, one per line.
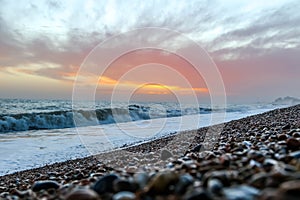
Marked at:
<point>254,44</point>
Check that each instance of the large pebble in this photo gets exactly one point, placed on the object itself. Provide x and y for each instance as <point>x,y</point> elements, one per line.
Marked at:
<point>82,194</point>
<point>44,185</point>
<point>105,184</point>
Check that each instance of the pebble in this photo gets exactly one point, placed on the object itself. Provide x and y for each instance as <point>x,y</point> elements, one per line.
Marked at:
<point>296,135</point>
<point>82,194</point>
<point>18,193</point>
<point>141,178</point>
<point>290,189</point>
<point>293,143</point>
<point>215,186</point>
<point>268,194</point>
<point>286,127</point>
<point>241,192</point>
<point>184,181</point>
<point>197,148</point>
<point>282,137</point>
<point>44,185</point>
<point>124,196</point>
<point>225,176</point>
<point>105,184</point>
<point>259,180</point>
<point>247,143</point>
<point>124,185</point>
<point>165,154</point>
<point>198,194</point>
<point>161,183</point>
<point>295,154</point>
<point>131,169</point>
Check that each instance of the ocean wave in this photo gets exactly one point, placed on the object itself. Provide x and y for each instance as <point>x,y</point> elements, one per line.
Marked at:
<point>72,118</point>
<point>69,118</point>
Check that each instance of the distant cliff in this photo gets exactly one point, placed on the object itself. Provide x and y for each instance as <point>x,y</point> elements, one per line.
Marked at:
<point>287,101</point>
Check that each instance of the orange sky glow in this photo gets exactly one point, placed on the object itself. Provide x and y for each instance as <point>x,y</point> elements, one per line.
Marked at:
<point>254,44</point>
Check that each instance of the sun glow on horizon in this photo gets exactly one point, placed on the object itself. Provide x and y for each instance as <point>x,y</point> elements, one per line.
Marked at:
<point>149,88</point>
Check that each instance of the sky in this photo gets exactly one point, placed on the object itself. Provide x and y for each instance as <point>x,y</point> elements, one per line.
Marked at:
<point>255,46</point>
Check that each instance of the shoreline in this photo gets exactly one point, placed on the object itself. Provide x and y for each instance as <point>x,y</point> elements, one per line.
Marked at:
<point>128,146</point>
<point>163,154</point>
<point>67,144</point>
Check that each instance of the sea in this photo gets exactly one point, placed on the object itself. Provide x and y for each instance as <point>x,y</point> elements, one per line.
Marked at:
<point>34,133</point>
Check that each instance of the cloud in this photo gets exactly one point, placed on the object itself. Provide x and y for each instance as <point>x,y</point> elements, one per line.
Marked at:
<point>273,29</point>
<point>48,32</point>
<point>61,35</point>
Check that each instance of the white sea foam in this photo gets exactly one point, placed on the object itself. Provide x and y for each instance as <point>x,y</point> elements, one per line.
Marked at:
<point>34,148</point>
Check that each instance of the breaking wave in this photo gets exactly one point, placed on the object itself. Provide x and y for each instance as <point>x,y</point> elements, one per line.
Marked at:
<point>72,118</point>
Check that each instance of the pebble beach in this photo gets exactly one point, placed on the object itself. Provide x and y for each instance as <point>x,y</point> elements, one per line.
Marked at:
<point>257,157</point>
